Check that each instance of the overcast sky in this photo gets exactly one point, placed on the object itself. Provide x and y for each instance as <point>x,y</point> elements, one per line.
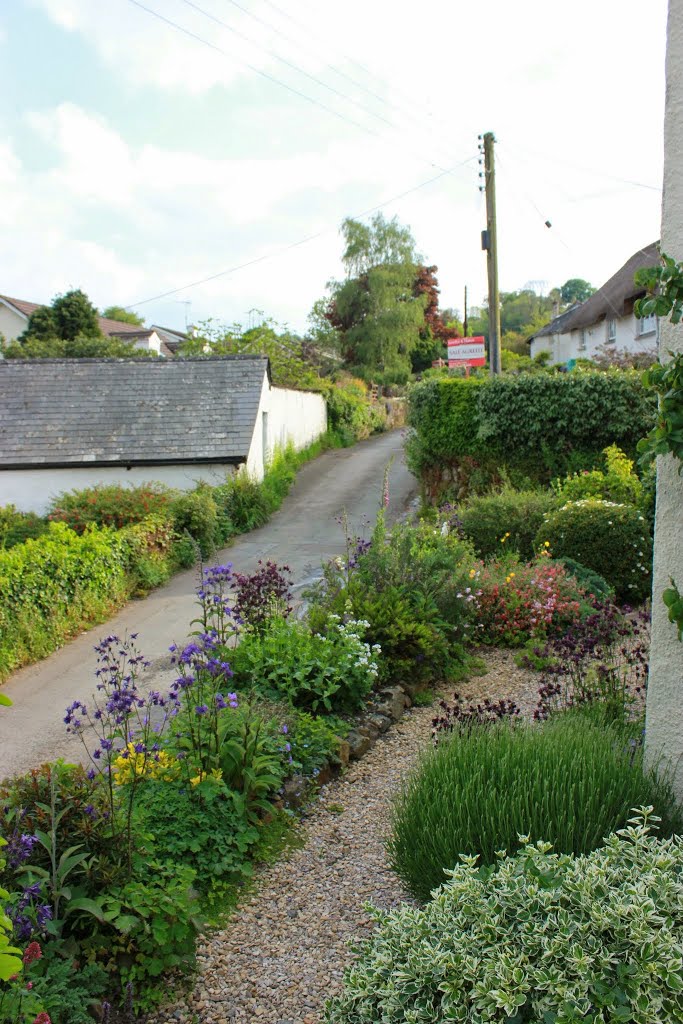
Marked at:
<point>137,158</point>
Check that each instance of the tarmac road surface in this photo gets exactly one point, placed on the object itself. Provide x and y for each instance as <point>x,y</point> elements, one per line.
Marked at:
<point>303,533</point>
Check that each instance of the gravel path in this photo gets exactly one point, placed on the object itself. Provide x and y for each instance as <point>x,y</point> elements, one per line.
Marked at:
<point>284,951</point>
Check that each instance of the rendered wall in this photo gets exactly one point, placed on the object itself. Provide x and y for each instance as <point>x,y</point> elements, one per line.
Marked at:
<point>299,417</point>
<point>664,719</point>
<point>31,490</point>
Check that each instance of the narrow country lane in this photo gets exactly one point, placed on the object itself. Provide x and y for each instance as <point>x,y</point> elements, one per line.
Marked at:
<point>302,534</point>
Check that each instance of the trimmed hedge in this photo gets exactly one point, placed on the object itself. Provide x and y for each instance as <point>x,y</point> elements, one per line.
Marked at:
<point>47,585</point>
<point>536,425</point>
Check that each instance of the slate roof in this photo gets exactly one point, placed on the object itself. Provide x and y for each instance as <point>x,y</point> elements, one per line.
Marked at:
<point>103,412</point>
<point>614,299</point>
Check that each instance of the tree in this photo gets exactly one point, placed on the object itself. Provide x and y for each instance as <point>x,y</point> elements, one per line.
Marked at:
<point>123,315</point>
<point>378,311</point>
<point>283,348</point>
<point>372,245</point>
<point>576,290</point>
<point>67,329</point>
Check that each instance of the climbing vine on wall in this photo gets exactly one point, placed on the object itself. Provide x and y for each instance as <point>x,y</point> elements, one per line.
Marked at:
<point>664,298</point>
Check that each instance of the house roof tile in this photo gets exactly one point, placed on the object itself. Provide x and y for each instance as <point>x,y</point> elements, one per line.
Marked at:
<point>128,411</point>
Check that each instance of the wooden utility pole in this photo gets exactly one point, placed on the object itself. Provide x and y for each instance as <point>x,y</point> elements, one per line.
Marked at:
<point>465,325</point>
<point>490,243</point>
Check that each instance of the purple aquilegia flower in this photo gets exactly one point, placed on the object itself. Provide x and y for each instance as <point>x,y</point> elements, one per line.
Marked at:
<point>201,709</point>
<point>19,848</point>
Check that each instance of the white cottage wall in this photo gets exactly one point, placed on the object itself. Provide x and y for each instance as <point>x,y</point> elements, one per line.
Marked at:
<point>32,490</point>
<point>284,416</point>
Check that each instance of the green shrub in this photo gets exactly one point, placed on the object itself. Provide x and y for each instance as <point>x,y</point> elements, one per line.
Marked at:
<point>425,564</point>
<point>539,937</point>
<point>286,661</point>
<point>16,527</point>
<point>196,512</point>
<point>55,584</point>
<point>510,517</point>
<point>588,580</point>
<point>351,416</point>
<point>109,505</point>
<point>240,500</point>
<point>618,483</point>
<point>555,413</point>
<point>611,539</point>
<point>444,415</point>
<point>570,781</point>
<point>149,549</point>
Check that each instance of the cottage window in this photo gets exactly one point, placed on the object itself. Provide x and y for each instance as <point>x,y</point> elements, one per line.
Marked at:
<point>647,325</point>
<point>611,330</point>
<point>582,341</point>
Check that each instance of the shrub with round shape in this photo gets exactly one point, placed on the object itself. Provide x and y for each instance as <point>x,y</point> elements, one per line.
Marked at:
<point>611,539</point>
<point>539,937</point>
<point>571,781</point>
<point>506,521</point>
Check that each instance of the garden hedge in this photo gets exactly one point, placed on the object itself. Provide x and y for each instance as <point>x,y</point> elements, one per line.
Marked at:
<point>538,425</point>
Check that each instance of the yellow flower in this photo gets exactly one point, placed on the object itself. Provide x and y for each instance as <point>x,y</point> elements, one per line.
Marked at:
<point>546,543</point>
<point>216,774</point>
<point>136,765</point>
<point>473,573</point>
<point>512,575</point>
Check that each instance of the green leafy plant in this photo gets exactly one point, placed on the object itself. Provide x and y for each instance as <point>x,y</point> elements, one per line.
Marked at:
<point>211,835</point>
<point>17,527</point>
<point>611,539</point>
<point>667,435</point>
<point>674,602</point>
<point>196,512</point>
<point>286,661</point>
<point>55,584</point>
<point>313,741</point>
<point>591,582</point>
<point>515,515</point>
<point>538,936</point>
<point>618,483</point>
<point>571,780</point>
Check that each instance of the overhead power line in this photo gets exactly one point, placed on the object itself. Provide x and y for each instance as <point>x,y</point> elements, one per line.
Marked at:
<point>272,78</point>
<point>294,245</point>
<point>389,104</point>
<point>447,127</point>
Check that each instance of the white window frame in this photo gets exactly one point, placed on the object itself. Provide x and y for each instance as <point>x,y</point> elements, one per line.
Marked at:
<point>611,330</point>
<point>647,325</point>
<point>583,340</point>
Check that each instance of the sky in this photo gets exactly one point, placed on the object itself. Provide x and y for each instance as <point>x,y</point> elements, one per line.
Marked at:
<point>148,148</point>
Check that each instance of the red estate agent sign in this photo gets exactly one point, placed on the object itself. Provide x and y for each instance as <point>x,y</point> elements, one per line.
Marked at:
<point>466,351</point>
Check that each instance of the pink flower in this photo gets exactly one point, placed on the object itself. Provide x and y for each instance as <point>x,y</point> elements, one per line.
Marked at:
<point>42,1018</point>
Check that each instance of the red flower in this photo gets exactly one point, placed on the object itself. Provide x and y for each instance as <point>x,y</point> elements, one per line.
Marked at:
<point>32,953</point>
<point>42,1018</point>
